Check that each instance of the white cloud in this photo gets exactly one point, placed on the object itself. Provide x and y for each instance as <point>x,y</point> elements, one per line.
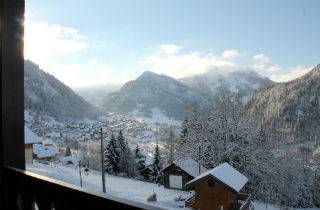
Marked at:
<point>230,54</point>
<point>263,64</point>
<point>44,41</point>
<point>290,74</point>
<point>275,69</point>
<point>50,46</point>
<point>276,72</point>
<point>262,58</point>
<point>260,67</point>
<point>170,48</point>
<point>187,64</point>
<point>85,73</point>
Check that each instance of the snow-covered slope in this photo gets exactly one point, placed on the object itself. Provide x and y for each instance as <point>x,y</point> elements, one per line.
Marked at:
<point>214,85</point>
<point>150,92</point>
<point>290,110</point>
<point>123,188</point>
<point>47,95</point>
<point>137,191</point>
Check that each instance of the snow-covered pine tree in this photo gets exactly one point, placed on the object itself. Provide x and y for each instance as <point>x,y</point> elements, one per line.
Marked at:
<point>169,145</point>
<point>122,143</point>
<point>155,175</point>
<point>139,160</point>
<point>191,135</point>
<point>112,158</point>
<point>184,129</point>
<point>125,156</point>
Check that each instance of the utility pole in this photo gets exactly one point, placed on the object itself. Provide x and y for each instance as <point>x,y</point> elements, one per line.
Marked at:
<point>80,173</point>
<point>199,157</point>
<point>102,163</point>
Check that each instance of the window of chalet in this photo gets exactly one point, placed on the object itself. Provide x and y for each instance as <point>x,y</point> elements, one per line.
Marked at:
<point>141,100</point>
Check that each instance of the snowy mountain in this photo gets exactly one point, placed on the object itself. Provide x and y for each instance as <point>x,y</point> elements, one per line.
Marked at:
<point>47,95</point>
<point>214,85</point>
<point>153,94</point>
<point>291,110</point>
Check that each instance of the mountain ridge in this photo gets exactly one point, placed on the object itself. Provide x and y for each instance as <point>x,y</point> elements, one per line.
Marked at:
<point>171,96</point>
<point>47,95</point>
<point>149,91</point>
<point>289,109</point>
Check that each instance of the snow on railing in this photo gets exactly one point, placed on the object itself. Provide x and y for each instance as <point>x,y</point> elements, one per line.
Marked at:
<point>246,205</point>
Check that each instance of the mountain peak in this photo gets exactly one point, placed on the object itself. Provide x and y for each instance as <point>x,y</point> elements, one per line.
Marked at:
<point>148,74</point>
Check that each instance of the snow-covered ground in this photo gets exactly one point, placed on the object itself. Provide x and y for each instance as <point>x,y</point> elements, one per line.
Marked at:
<point>130,189</point>
<point>120,187</point>
<point>263,206</point>
<point>157,116</point>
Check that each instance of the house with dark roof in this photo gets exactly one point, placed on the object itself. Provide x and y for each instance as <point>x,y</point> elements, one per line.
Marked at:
<point>219,189</point>
<point>177,174</point>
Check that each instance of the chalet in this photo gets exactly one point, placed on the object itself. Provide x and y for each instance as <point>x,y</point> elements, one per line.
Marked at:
<point>145,173</point>
<point>177,174</point>
<point>29,140</point>
<point>45,151</point>
<point>219,189</point>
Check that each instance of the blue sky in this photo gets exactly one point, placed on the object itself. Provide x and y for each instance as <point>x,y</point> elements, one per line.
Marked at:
<point>99,41</point>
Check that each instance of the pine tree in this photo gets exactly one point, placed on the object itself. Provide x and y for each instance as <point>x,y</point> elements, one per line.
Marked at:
<point>125,156</point>
<point>170,142</point>
<point>139,160</point>
<point>191,135</point>
<point>121,142</point>
<point>184,130</point>
<point>155,176</point>
<point>112,158</point>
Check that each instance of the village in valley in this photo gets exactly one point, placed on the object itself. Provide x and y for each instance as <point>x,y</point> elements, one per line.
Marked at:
<point>63,151</point>
<point>140,155</point>
<point>86,133</point>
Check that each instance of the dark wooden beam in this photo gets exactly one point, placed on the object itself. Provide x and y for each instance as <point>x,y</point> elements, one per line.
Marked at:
<point>28,187</point>
<point>12,83</point>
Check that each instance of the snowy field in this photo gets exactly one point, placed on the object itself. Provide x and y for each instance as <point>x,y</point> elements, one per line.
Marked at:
<point>130,189</point>
<point>120,187</point>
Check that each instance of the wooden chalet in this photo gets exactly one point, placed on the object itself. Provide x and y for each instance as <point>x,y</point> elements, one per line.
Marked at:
<point>146,172</point>
<point>30,139</point>
<point>180,172</point>
<point>219,189</point>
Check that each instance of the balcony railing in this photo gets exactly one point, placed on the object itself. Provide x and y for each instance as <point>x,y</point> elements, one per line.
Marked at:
<point>191,202</point>
<point>245,201</point>
<point>23,189</point>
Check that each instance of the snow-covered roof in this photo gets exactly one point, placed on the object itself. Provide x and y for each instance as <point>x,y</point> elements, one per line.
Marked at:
<point>190,166</point>
<point>73,159</point>
<point>226,174</point>
<point>44,151</point>
<point>30,137</point>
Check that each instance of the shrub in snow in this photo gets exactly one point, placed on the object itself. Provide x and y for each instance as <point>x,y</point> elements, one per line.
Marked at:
<point>152,198</point>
